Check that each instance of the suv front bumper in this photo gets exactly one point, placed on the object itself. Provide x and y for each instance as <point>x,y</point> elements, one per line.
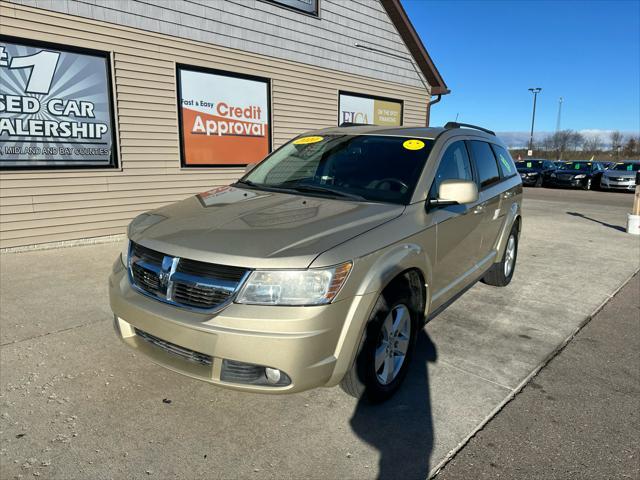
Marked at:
<point>314,346</point>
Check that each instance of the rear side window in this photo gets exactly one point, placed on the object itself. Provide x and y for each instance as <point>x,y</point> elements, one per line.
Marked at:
<point>505,162</point>
<point>455,165</point>
<point>485,163</point>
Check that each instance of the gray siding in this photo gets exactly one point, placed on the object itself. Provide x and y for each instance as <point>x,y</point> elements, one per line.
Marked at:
<point>267,29</point>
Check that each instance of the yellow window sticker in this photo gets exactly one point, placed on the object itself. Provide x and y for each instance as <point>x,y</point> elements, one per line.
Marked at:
<point>307,140</point>
<point>413,144</point>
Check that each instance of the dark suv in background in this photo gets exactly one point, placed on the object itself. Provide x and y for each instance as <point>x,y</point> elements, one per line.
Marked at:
<point>579,174</point>
<point>535,173</point>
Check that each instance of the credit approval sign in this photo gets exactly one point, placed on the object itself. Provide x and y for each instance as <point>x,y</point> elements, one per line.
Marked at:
<point>225,118</point>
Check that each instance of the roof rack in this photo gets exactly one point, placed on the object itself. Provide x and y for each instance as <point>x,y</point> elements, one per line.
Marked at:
<point>451,125</point>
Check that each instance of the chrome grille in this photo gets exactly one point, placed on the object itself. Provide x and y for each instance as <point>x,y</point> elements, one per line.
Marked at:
<point>183,282</point>
<point>199,295</point>
<point>174,349</point>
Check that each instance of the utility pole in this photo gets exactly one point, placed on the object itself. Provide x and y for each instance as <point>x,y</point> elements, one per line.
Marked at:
<point>535,92</point>
<point>560,100</point>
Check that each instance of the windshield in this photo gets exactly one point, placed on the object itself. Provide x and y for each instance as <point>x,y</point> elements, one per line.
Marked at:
<point>628,167</point>
<point>583,166</point>
<point>535,164</point>
<point>363,167</point>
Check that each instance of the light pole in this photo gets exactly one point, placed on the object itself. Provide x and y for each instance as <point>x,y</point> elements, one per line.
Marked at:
<point>560,100</point>
<point>535,92</point>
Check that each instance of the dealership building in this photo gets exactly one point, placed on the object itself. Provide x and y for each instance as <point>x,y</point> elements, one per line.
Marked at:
<point>110,109</point>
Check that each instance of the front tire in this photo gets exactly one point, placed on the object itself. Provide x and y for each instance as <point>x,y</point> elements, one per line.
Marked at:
<point>501,273</point>
<point>587,184</point>
<point>386,349</point>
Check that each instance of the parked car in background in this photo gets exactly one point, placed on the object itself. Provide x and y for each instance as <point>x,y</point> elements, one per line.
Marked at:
<point>580,174</point>
<point>622,176</point>
<point>321,265</point>
<point>535,172</point>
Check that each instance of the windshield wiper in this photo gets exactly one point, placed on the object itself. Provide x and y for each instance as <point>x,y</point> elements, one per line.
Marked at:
<point>320,189</point>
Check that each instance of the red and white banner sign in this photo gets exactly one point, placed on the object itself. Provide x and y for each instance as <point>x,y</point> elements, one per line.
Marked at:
<point>225,119</point>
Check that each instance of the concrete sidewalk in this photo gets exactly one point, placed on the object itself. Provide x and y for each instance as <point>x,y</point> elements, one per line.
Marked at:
<point>579,418</point>
<point>75,403</point>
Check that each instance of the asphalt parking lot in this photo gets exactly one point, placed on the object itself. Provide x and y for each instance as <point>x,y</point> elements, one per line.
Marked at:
<point>75,403</point>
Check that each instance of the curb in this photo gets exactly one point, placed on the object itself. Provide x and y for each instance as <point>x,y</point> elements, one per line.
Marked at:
<point>436,470</point>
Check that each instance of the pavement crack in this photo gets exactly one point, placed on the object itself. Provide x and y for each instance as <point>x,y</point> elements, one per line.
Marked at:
<point>476,375</point>
<point>62,330</point>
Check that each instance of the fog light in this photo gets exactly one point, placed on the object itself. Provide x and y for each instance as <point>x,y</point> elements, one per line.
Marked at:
<point>273,375</point>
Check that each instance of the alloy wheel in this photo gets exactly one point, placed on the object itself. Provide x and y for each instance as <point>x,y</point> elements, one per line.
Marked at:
<point>393,344</point>
<point>510,256</point>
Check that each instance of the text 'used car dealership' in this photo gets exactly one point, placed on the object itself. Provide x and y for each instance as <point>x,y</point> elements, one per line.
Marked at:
<point>113,109</point>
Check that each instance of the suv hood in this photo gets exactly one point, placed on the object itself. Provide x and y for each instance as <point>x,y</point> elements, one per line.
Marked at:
<point>574,172</point>
<point>256,229</point>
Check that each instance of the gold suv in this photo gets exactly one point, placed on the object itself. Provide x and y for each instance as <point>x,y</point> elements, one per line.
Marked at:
<point>322,263</point>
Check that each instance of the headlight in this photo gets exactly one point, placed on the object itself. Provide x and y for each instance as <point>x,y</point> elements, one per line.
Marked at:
<point>124,254</point>
<point>294,287</point>
<point>578,177</point>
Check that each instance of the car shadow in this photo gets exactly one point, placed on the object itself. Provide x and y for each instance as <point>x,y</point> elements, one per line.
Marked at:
<point>402,428</point>
<point>609,225</point>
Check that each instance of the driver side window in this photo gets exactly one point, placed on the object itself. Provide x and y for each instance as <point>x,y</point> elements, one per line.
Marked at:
<point>454,165</point>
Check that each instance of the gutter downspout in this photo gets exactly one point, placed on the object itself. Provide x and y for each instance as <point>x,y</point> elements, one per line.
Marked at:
<point>429,104</point>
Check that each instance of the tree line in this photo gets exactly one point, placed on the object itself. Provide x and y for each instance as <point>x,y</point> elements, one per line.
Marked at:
<point>571,145</point>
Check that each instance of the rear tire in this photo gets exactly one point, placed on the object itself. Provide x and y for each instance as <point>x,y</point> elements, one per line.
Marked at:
<point>382,361</point>
<point>501,273</point>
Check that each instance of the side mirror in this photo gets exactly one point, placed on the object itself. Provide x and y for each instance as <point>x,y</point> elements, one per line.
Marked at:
<point>456,192</point>
<point>249,167</point>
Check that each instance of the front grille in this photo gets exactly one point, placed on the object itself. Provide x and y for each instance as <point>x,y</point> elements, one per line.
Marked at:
<point>202,269</point>
<point>174,349</point>
<point>200,296</point>
<point>146,279</point>
<point>181,281</point>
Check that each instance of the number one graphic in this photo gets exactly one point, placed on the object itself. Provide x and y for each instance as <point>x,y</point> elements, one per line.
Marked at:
<point>43,66</point>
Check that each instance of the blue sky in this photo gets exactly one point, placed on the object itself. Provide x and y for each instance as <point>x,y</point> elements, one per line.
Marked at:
<point>491,52</point>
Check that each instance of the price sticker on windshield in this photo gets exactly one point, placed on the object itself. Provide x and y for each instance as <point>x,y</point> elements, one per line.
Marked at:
<point>413,144</point>
<point>307,140</point>
<point>528,164</point>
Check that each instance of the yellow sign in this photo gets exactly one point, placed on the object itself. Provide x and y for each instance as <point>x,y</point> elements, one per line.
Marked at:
<point>413,144</point>
<point>306,140</point>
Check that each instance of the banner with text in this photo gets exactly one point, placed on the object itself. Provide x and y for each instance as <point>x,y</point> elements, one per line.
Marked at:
<point>369,110</point>
<point>225,119</point>
<point>55,108</point>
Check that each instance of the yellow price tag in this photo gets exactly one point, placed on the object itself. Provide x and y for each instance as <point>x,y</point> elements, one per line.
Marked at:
<point>413,144</point>
<point>307,140</point>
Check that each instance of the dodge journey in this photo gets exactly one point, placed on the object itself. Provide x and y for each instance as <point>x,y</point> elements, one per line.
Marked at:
<point>320,265</point>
